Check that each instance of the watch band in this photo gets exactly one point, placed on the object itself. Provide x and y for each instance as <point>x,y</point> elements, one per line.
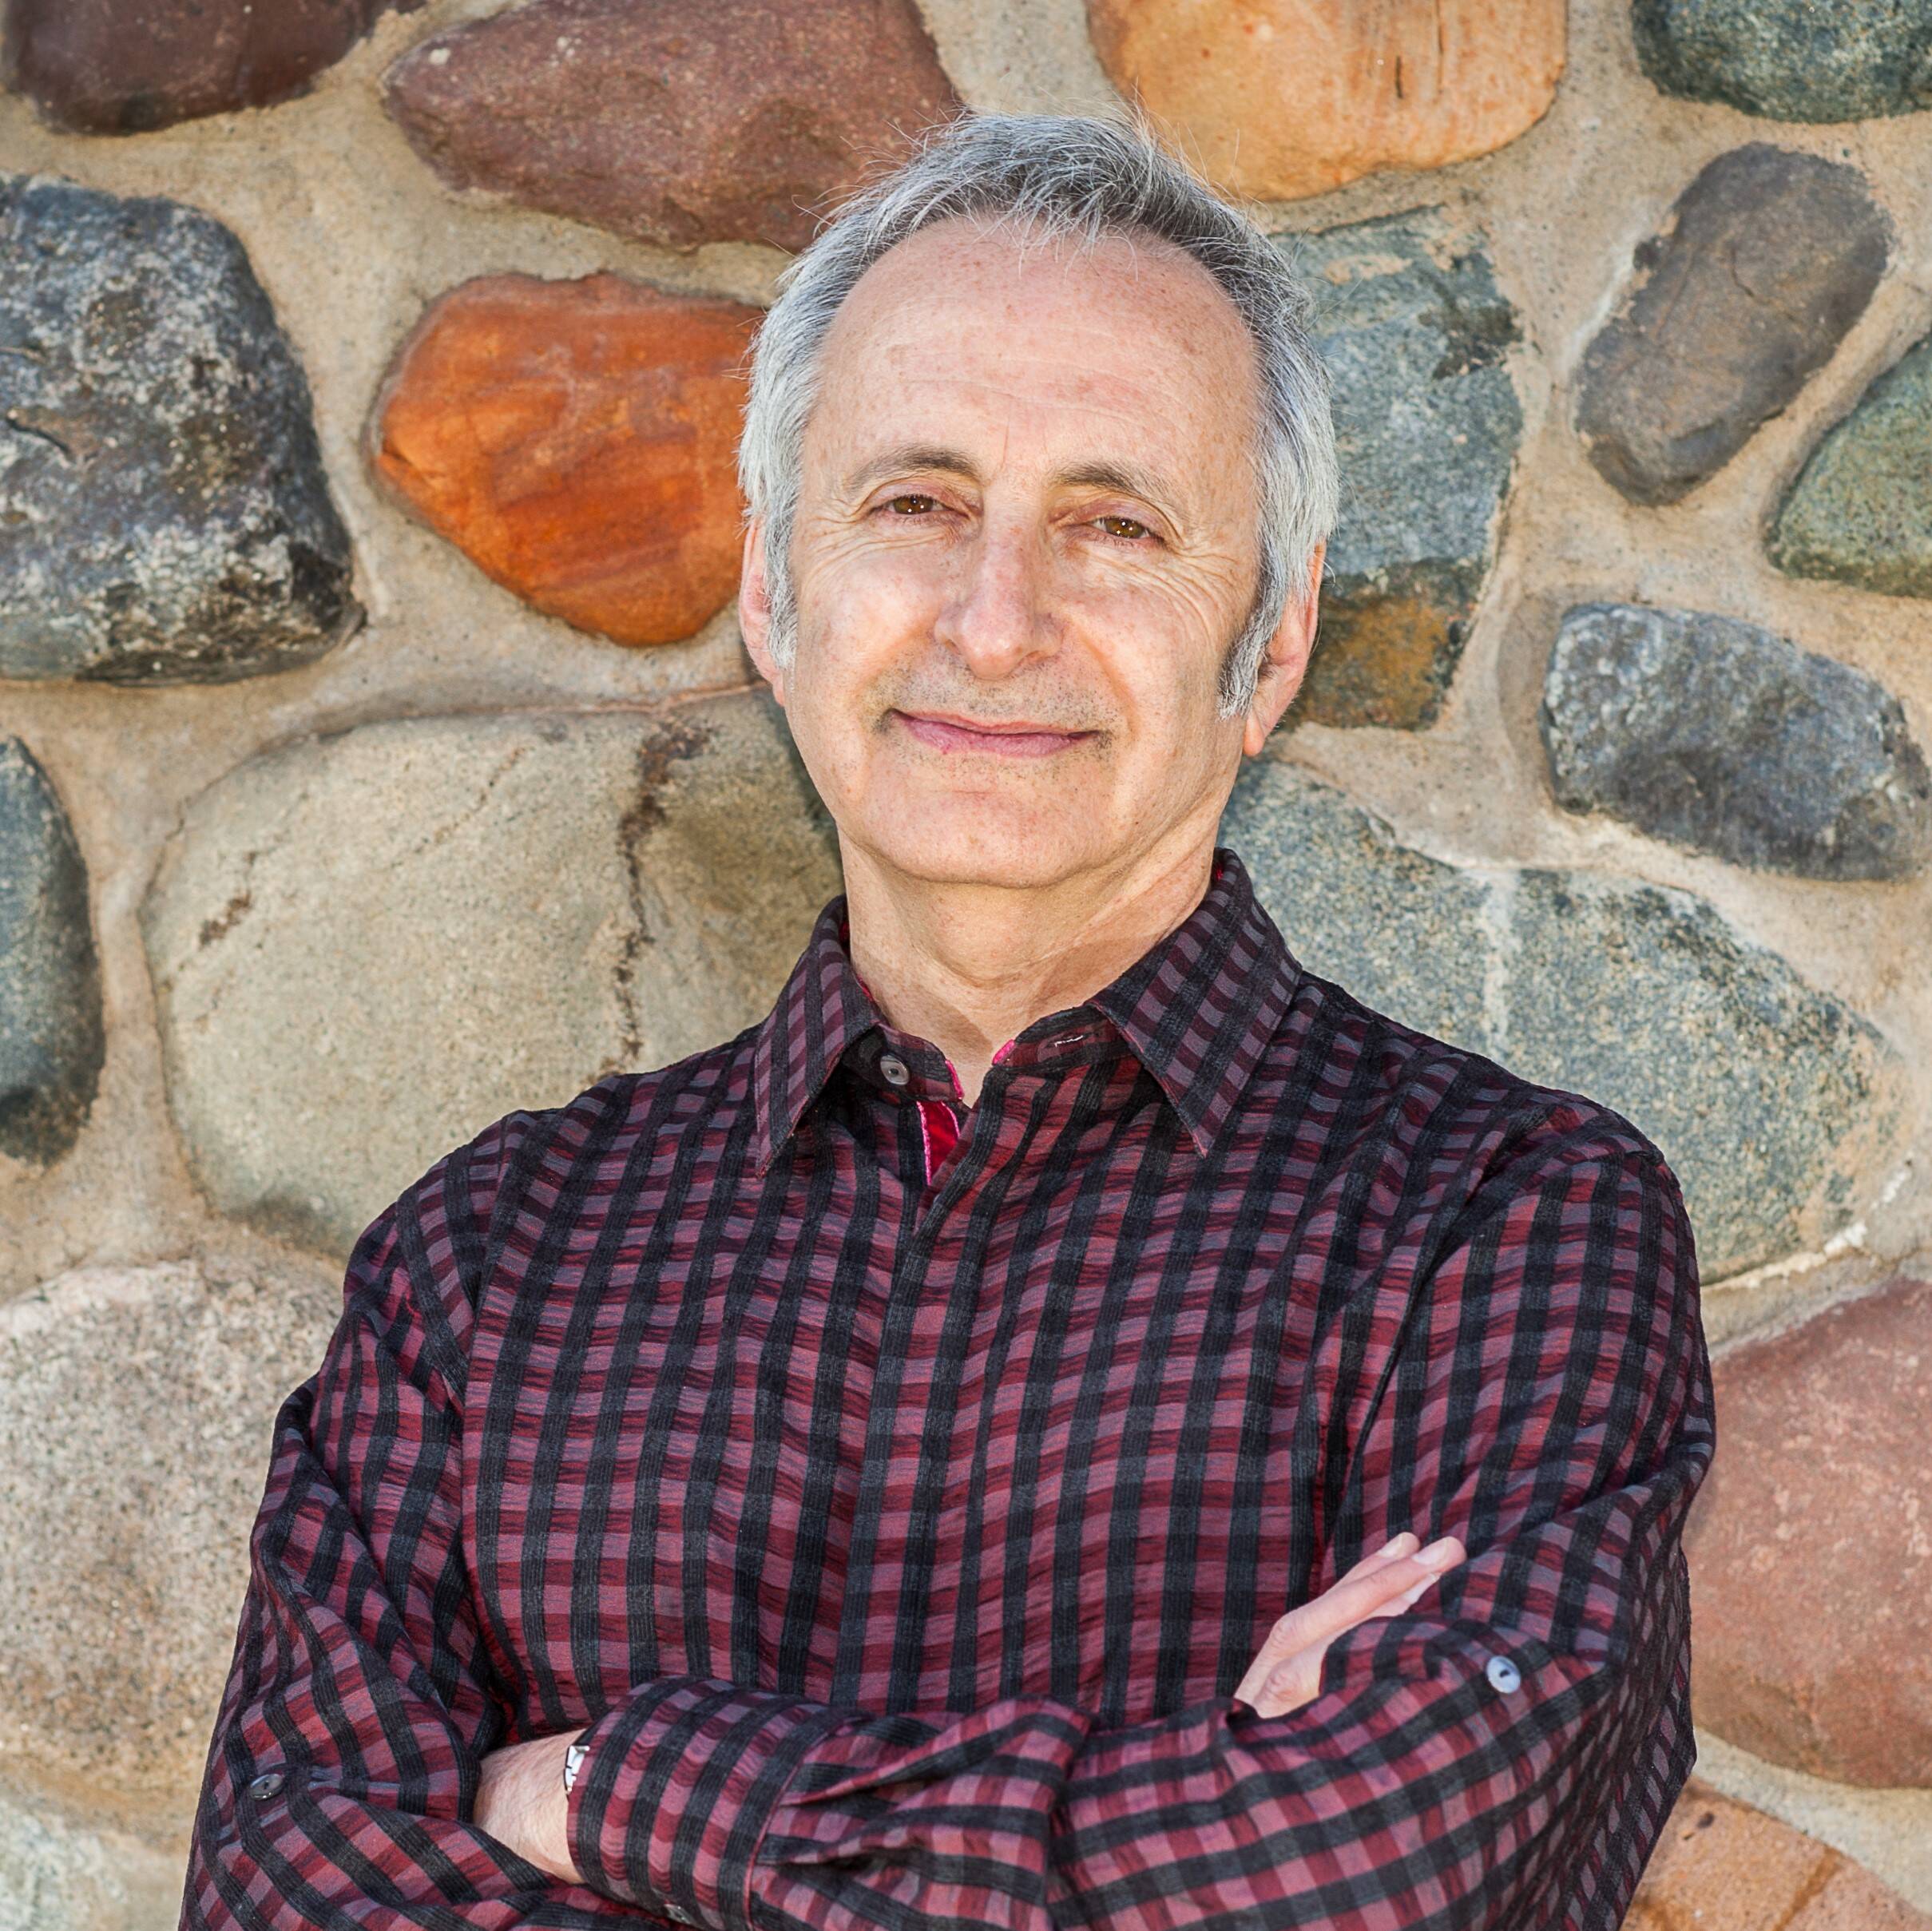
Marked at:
<point>574,1761</point>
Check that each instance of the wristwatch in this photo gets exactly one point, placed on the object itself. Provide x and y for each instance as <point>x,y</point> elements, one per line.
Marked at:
<point>574,1761</point>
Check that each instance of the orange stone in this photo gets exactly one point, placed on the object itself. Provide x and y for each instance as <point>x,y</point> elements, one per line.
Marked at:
<point>1723,1866</point>
<point>1279,99</point>
<point>577,441</point>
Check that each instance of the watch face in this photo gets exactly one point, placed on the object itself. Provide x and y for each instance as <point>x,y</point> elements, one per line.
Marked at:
<point>574,1758</point>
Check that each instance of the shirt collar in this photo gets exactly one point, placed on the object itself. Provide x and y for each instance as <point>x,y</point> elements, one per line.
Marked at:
<point>1197,1010</point>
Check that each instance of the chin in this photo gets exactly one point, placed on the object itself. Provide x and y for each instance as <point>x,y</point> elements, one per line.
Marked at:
<point>975,848</point>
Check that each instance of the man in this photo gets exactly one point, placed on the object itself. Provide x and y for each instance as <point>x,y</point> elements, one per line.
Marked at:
<point>1073,1419</point>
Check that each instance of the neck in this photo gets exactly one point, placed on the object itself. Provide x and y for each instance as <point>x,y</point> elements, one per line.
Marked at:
<point>968,966</point>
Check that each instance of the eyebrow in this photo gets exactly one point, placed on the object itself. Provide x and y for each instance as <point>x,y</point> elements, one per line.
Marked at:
<point>1129,478</point>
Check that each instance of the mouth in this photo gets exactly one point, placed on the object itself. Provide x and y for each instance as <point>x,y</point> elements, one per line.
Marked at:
<point>1018,740</point>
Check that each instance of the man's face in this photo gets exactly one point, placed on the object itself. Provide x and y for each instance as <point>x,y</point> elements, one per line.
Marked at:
<point>1026,539</point>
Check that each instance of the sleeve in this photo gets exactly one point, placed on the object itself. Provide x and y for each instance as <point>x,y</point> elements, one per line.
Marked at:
<point>1501,1757</point>
<point>344,1762</point>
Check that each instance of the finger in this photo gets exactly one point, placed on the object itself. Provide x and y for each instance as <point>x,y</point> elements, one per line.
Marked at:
<point>1397,1546</point>
<point>1355,1598</point>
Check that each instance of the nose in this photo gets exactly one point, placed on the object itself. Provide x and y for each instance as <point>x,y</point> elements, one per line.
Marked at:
<point>998,616</point>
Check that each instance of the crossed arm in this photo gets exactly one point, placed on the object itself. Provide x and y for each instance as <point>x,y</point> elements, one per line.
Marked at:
<point>1499,1752</point>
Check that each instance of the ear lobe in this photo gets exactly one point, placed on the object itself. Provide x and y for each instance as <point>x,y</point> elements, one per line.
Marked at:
<point>755,609</point>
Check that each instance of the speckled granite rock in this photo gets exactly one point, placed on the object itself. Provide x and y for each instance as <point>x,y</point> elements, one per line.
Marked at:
<point>97,68</point>
<point>59,1874</point>
<point>1861,510</point>
<point>1414,330</point>
<point>577,441</point>
<point>1790,60</point>
<point>1777,1106</point>
<point>1727,739</point>
<point>136,1409</point>
<point>1816,1518</point>
<point>1402,84</point>
<point>673,121</point>
<point>403,931</point>
<point>1768,258</point>
<point>51,1037</point>
<point>163,515</point>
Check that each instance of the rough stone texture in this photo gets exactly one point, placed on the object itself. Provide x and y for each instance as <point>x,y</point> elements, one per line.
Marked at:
<point>1790,60</point>
<point>56,1875</point>
<point>1810,1549</point>
<point>1413,330</point>
<point>98,67</point>
<point>1768,258</point>
<point>1723,737</point>
<point>398,934</point>
<point>51,1038</point>
<point>1772,1101</point>
<point>135,1410</point>
<point>577,441</point>
<point>1284,98</point>
<point>1861,509</point>
<point>164,515</point>
<point>1723,1866</point>
<point>673,121</point>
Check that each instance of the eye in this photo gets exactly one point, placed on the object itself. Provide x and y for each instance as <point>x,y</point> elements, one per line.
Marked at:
<point>910,503</point>
<point>1125,528</point>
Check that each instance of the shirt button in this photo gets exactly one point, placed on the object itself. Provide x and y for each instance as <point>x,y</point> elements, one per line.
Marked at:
<point>894,1069</point>
<point>1503,1675</point>
<point>265,1785</point>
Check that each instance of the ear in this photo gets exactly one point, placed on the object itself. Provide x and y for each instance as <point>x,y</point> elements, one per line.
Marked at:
<point>1286,660</point>
<point>755,609</point>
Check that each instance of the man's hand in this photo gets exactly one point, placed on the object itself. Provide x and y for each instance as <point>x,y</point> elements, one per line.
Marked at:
<point>1286,1672</point>
<point>522,1803</point>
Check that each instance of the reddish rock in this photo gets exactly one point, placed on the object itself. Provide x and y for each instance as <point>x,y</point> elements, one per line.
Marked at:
<point>673,121</point>
<point>103,67</point>
<point>576,440</point>
<point>1723,1866</point>
<point>1810,1545</point>
<point>1284,98</point>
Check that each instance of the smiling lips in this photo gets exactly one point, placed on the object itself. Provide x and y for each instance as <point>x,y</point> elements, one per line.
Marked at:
<point>1020,740</point>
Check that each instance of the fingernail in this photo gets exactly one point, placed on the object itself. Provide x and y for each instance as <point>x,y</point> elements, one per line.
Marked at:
<point>1400,1545</point>
<point>1443,1555</point>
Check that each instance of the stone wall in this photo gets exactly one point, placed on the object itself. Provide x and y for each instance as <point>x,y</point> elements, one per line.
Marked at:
<point>378,752</point>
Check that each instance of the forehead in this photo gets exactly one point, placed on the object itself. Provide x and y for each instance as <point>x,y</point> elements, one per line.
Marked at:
<point>1131,341</point>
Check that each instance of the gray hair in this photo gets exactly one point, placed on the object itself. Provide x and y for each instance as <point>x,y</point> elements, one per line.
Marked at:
<point>1070,176</point>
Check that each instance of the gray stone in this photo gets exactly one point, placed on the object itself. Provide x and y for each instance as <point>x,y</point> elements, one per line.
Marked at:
<point>1768,258</point>
<point>367,947</point>
<point>52,1041</point>
<point>1861,510</point>
<point>59,1875</point>
<point>164,515</point>
<point>1774,1104</point>
<point>1725,737</point>
<point>1413,329</point>
<point>1790,60</point>
<point>136,1407</point>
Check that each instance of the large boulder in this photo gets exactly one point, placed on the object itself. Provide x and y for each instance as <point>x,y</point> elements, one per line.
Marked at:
<point>365,947</point>
<point>676,121</point>
<point>135,1413</point>
<point>1810,1545</point>
<point>91,70</point>
<point>1790,60</point>
<point>1774,1104</point>
<point>1727,739</point>
<point>163,515</point>
<point>1413,330</point>
<point>1860,512</point>
<point>52,1039</point>
<point>1768,258</point>
<point>577,441</point>
<point>1284,98</point>
<point>59,1874</point>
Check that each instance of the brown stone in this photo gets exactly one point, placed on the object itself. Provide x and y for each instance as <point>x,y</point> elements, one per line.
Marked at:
<point>103,67</point>
<point>576,440</point>
<point>673,121</point>
<point>1810,1545</point>
<point>1280,99</point>
<point>1723,1866</point>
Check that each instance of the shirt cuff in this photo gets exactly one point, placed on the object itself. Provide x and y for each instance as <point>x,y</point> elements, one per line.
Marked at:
<point>677,1784</point>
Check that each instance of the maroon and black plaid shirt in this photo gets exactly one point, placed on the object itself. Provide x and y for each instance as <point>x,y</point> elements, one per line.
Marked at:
<point>898,1492</point>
